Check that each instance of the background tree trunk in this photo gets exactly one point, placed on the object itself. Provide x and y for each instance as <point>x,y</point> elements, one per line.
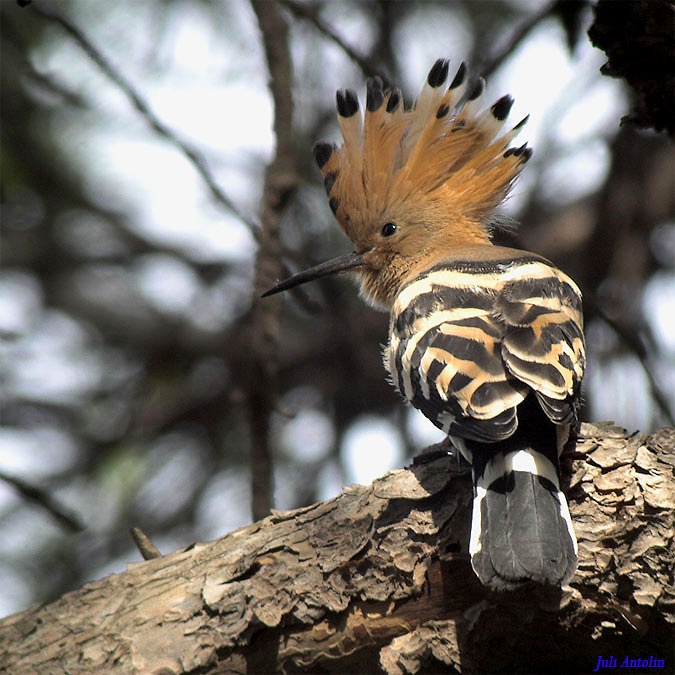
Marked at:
<point>378,579</point>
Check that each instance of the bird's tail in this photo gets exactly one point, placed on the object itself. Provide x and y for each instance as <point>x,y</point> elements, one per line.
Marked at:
<point>521,528</point>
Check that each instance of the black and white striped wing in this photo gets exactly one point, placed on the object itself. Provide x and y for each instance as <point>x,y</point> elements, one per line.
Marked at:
<point>468,344</point>
<point>543,344</point>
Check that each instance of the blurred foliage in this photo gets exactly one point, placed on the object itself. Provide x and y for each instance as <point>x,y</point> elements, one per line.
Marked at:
<point>124,403</point>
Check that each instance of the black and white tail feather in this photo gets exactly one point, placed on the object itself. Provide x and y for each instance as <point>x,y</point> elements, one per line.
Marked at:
<point>521,529</point>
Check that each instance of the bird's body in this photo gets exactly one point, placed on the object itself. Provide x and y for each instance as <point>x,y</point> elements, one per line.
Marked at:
<point>487,342</point>
<point>477,342</point>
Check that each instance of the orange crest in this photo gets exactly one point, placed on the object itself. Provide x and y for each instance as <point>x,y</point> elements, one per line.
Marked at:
<point>442,159</point>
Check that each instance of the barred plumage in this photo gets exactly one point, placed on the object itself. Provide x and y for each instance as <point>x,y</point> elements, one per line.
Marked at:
<point>486,341</point>
<point>470,338</point>
<point>469,341</point>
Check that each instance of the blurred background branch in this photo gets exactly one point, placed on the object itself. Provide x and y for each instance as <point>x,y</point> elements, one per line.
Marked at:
<point>517,36</point>
<point>44,500</point>
<point>311,13</point>
<point>279,184</point>
<point>142,106</point>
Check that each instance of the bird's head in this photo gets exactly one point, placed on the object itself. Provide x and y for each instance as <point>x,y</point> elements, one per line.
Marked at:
<point>407,186</point>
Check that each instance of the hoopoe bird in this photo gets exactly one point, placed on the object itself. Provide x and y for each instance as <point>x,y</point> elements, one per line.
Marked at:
<point>486,341</point>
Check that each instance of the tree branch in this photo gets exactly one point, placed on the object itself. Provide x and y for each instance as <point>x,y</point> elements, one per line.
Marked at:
<point>309,13</point>
<point>146,548</point>
<point>376,580</point>
<point>45,501</point>
<point>630,336</point>
<point>644,56</point>
<point>143,107</point>
<point>280,182</point>
<point>516,38</point>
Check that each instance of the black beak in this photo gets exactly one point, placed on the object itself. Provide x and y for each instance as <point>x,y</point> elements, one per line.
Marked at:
<point>344,262</point>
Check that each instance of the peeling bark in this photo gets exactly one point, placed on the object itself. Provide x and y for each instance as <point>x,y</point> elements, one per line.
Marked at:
<point>377,579</point>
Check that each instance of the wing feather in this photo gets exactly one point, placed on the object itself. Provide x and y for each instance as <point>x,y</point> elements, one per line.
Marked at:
<point>469,355</point>
<point>543,345</point>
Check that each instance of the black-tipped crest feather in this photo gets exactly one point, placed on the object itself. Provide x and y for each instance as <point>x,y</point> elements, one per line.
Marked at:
<point>459,77</point>
<point>426,156</point>
<point>438,73</point>
<point>477,89</point>
<point>322,153</point>
<point>347,102</point>
<point>394,100</point>
<point>501,109</point>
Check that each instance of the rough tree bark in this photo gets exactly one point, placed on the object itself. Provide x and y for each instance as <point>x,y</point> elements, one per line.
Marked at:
<point>377,580</point>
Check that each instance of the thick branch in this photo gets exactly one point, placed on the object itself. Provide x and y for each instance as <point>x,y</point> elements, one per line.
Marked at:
<point>377,580</point>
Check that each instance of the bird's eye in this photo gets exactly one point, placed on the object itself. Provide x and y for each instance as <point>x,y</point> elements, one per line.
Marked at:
<point>388,229</point>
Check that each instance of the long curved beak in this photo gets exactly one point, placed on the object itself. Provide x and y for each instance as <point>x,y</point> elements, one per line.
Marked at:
<point>344,262</point>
